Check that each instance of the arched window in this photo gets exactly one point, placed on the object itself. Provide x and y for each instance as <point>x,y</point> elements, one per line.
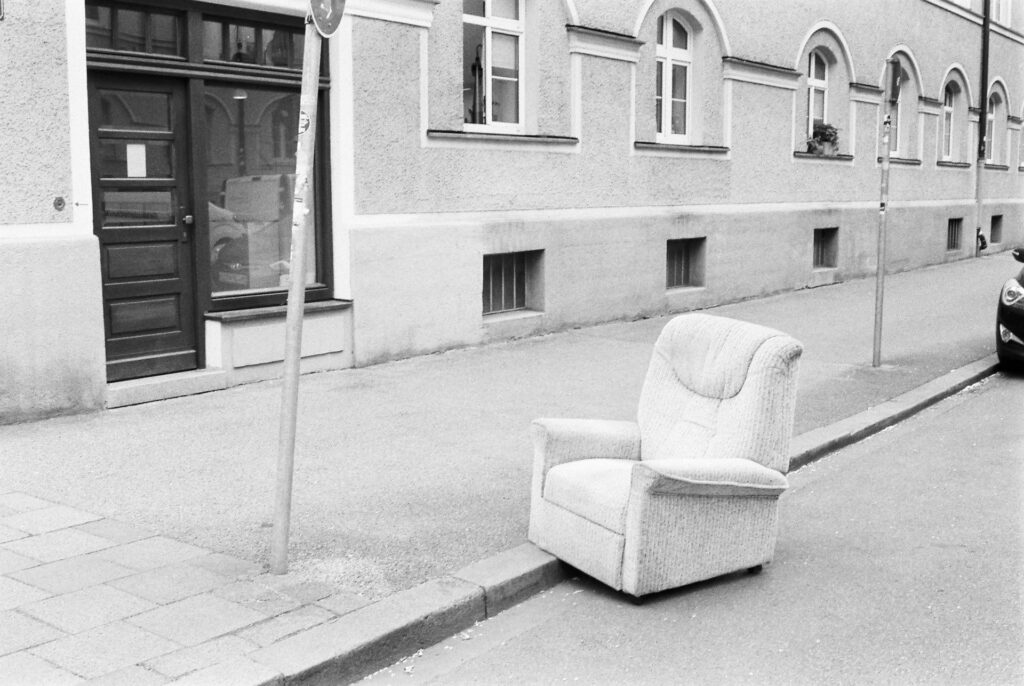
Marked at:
<point>817,91</point>
<point>674,60</point>
<point>992,128</point>
<point>948,110</point>
<point>903,135</point>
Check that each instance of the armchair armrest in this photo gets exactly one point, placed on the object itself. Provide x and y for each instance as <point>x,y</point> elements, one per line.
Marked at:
<point>556,441</point>
<point>728,476</point>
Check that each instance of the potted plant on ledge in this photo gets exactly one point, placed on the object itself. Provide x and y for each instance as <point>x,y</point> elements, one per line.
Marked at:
<point>824,140</point>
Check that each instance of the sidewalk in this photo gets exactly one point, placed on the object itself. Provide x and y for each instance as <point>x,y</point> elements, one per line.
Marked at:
<point>405,472</point>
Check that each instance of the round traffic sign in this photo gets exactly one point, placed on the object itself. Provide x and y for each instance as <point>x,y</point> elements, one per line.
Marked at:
<point>327,15</point>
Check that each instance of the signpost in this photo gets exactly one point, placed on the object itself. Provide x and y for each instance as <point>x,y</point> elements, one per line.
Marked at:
<point>323,19</point>
<point>892,95</point>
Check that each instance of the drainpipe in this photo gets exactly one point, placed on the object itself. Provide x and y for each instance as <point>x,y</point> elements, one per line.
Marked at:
<point>982,121</point>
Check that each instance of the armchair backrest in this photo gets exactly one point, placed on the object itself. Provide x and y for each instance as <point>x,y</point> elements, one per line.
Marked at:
<point>719,387</point>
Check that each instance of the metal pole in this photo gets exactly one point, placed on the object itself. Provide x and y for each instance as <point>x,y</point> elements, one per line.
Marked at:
<point>983,144</point>
<point>302,219</point>
<point>883,204</point>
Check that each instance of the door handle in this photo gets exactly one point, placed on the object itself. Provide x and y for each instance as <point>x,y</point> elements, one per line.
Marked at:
<point>187,221</point>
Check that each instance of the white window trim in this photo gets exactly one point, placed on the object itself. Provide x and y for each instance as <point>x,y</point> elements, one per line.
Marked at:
<point>511,27</point>
<point>814,85</point>
<point>894,130</point>
<point>990,130</point>
<point>948,140</point>
<point>1001,11</point>
<point>670,56</point>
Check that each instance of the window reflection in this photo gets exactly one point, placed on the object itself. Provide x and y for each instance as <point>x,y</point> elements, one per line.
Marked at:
<point>250,187</point>
<point>232,42</point>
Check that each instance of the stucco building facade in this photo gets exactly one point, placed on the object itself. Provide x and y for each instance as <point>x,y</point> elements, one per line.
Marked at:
<point>486,170</point>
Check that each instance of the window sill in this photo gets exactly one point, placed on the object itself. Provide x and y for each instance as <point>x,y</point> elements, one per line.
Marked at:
<point>905,161</point>
<point>841,157</point>
<point>997,167</point>
<point>682,290</point>
<point>682,149</point>
<point>478,136</point>
<point>512,316</point>
<point>956,165</point>
<point>276,311</point>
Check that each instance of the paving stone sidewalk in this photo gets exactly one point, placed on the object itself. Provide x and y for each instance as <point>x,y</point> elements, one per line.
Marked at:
<point>84,599</point>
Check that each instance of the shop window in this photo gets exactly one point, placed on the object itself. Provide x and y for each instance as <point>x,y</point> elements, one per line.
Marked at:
<point>954,227</point>
<point>512,281</point>
<point>673,65</point>
<point>230,41</point>
<point>995,230</point>
<point>250,179</point>
<point>684,263</point>
<point>826,248</point>
<point>493,58</point>
<point>109,27</point>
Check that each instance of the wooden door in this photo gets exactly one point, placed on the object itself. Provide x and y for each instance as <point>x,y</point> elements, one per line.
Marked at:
<point>143,216</point>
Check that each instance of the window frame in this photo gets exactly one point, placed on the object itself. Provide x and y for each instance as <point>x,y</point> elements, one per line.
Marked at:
<point>894,128</point>
<point>815,85</point>
<point>508,27</point>
<point>995,100</point>
<point>199,72</point>
<point>948,133</point>
<point>667,56</point>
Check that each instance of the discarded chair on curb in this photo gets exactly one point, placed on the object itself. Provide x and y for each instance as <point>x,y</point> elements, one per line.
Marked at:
<point>691,490</point>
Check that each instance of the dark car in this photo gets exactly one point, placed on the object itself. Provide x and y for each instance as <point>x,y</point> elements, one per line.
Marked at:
<point>1010,319</point>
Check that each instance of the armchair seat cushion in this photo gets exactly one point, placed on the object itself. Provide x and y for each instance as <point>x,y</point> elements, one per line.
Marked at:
<point>595,489</point>
<point>728,476</point>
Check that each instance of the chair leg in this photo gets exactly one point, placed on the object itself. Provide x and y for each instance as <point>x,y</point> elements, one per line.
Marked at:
<point>755,570</point>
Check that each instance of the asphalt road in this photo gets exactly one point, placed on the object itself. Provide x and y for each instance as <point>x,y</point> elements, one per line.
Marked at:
<point>899,562</point>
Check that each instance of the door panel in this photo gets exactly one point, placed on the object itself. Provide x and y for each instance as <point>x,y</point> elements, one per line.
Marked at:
<point>141,201</point>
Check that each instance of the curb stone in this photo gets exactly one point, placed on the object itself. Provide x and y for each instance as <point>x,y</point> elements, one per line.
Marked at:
<point>815,444</point>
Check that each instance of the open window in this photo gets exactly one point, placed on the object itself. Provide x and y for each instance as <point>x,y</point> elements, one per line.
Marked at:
<point>493,44</point>
<point>823,97</point>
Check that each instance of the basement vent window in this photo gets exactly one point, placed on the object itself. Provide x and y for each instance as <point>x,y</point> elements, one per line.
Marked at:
<point>826,248</point>
<point>995,230</point>
<point>512,281</point>
<point>684,263</point>
<point>953,230</point>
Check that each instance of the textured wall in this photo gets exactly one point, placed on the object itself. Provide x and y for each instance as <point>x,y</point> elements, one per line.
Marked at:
<point>51,351</point>
<point>35,140</point>
<point>395,174</point>
<point>426,214</point>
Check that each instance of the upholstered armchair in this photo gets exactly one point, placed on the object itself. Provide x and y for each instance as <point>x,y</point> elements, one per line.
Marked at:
<point>690,490</point>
